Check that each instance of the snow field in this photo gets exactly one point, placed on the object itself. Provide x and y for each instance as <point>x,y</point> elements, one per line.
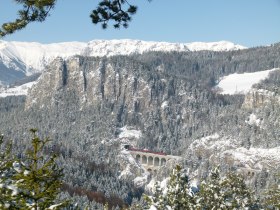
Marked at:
<point>242,83</point>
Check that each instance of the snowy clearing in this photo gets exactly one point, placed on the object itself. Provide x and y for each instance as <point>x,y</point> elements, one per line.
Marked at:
<point>129,133</point>
<point>16,91</point>
<point>241,83</point>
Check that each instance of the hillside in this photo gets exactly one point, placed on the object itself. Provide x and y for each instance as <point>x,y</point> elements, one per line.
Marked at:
<point>159,101</point>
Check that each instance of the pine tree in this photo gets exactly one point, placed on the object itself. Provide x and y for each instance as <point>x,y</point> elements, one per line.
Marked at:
<point>39,179</point>
<point>157,200</point>
<point>236,192</point>
<point>119,11</point>
<point>229,192</point>
<point>272,197</point>
<point>34,185</point>
<point>216,192</point>
<point>177,197</point>
<point>7,187</point>
<point>210,194</point>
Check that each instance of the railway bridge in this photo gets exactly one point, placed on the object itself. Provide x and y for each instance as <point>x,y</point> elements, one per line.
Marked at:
<point>149,159</point>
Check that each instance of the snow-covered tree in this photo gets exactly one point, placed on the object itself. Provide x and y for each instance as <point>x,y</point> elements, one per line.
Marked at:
<point>6,163</point>
<point>178,195</point>
<point>229,192</point>
<point>157,200</point>
<point>216,192</point>
<point>119,11</point>
<point>34,184</point>
<point>272,196</point>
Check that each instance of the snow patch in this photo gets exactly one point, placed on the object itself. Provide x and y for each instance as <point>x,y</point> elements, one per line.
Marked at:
<point>214,46</point>
<point>16,91</point>
<point>255,158</point>
<point>208,141</point>
<point>129,133</point>
<point>164,104</point>
<point>229,150</point>
<point>140,181</point>
<point>241,83</point>
<point>35,56</point>
<point>253,120</point>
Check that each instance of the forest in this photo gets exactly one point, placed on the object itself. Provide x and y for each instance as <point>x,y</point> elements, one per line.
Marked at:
<point>83,103</point>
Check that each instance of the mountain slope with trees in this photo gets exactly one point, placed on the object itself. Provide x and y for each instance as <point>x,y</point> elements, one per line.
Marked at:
<point>84,102</point>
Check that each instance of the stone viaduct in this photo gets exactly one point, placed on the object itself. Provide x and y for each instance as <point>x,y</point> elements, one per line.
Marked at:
<point>149,159</point>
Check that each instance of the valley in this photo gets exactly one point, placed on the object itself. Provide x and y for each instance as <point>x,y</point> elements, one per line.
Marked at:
<point>173,99</point>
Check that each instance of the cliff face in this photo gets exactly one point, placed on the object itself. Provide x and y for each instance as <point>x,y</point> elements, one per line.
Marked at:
<point>169,108</point>
<point>116,92</point>
<point>93,81</point>
<point>257,98</point>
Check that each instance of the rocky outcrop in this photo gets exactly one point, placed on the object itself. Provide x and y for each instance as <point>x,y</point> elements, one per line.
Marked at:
<point>227,152</point>
<point>259,97</point>
<point>92,80</point>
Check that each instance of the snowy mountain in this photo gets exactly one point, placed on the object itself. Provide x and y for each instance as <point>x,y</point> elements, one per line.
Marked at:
<point>19,59</point>
<point>127,47</point>
<point>163,102</point>
<point>32,57</point>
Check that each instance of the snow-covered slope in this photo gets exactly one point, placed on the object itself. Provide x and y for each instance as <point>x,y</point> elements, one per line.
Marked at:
<point>16,91</point>
<point>31,57</point>
<point>36,56</point>
<point>214,46</point>
<point>127,47</point>
<point>217,148</point>
<point>242,83</point>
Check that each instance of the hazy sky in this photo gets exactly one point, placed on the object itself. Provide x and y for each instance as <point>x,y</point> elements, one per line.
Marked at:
<point>246,22</point>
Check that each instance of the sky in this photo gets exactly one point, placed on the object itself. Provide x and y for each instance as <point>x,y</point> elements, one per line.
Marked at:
<point>246,22</point>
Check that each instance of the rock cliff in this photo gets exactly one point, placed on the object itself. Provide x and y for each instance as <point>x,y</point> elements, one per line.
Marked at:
<point>257,98</point>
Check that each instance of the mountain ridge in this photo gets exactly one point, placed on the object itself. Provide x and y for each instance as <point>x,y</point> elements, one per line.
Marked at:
<point>89,106</point>
<point>27,58</point>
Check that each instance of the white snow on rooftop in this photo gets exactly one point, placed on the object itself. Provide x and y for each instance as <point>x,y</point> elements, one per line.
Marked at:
<point>16,91</point>
<point>242,83</point>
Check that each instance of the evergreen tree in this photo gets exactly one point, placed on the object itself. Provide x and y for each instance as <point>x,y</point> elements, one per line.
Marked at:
<point>178,190</point>
<point>39,179</point>
<point>157,200</point>
<point>119,11</point>
<point>34,184</point>
<point>178,195</point>
<point>6,187</point>
<point>272,197</point>
<point>229,192</point>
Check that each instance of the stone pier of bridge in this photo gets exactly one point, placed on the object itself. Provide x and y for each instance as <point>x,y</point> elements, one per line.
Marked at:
<point>151,161</point>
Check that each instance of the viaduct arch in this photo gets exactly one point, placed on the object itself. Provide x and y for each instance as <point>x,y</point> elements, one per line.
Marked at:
<point>149,159</point>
